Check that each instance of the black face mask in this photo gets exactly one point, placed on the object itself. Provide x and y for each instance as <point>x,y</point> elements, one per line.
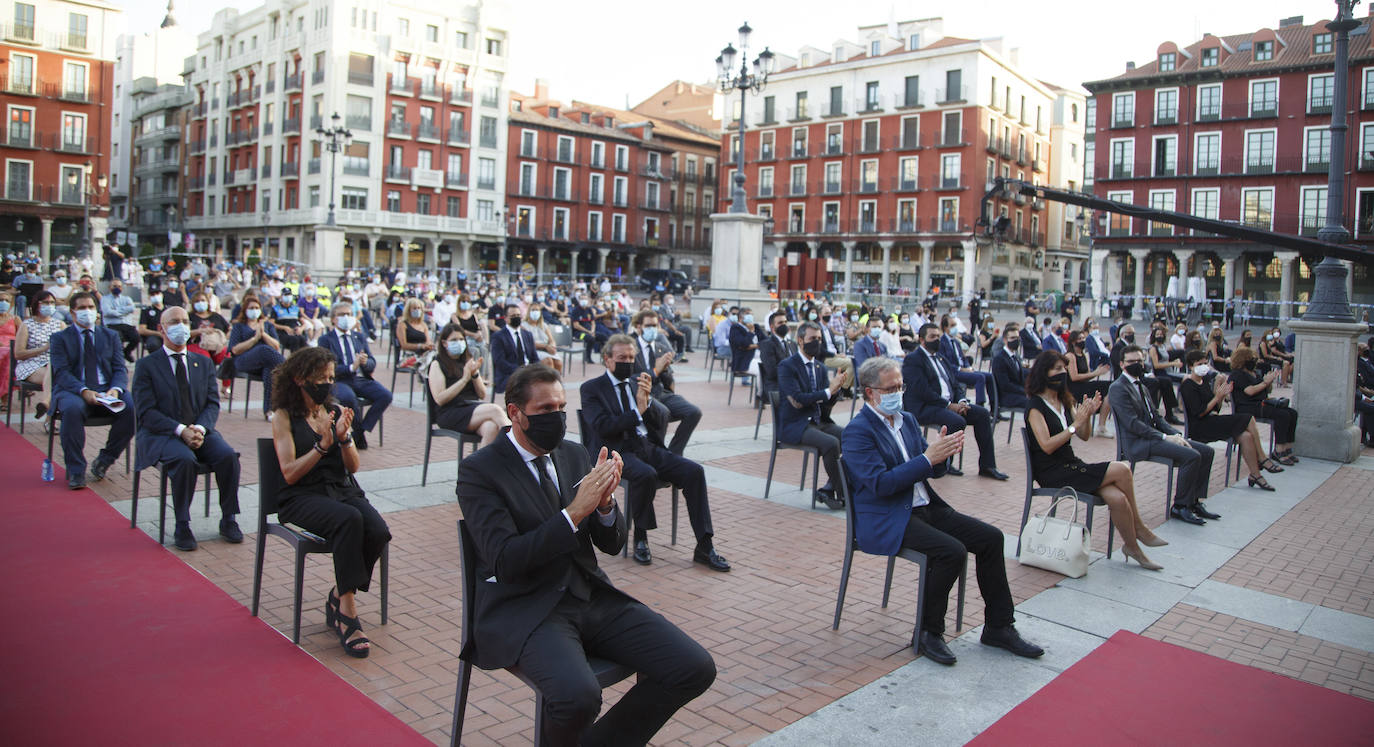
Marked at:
<point>546,430</point>
<point>1250,365</point>
<point>812,348</point>
<point>1013,344</point>
<point>514,322</point>
<point>1136,370</point>
<point>1129,338</point>
<point>623,370</point>
<point>781,331</point>
<point>932,345</point>
<point>1059,381</point>
<point>318,393</point>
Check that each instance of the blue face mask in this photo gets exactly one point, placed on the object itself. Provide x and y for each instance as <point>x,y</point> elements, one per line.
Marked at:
<point>748,319</point>
<point>456,347</point>
<point>4,307</point>
<point>85,317</point>
<point>178,334</point>
<point>464,305</point>
<point>890,403</point>
<point>875,332</point>
<point>650,333</point>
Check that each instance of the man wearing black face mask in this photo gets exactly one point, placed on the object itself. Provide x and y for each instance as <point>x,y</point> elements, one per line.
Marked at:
<point>615,408</point>
<point>774,349</point>
<point>935,397</point>
<point>534,507</point>
<point>511,348</point>
<point>1008,372</point>
<point>805,391</point>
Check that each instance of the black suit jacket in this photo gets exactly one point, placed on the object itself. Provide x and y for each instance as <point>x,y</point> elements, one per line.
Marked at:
<point>609,426</point>
<point>504,360</point>
<point>525,548</point>
<point>1011,380</point>
<point>772,352</point>
<point>923,383</point>
<point>159,411</point>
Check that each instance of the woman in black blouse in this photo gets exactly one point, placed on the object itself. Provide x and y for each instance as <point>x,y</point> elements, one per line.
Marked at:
<point>1054,418</point>
<point>1249,395</point>
<point>1202,408</point>
<point>458,391</point>
<point>314,446</point>
<point>1081,379</point>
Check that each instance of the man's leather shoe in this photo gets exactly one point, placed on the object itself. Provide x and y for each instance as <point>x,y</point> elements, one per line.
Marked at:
<point>1004,417</point>
<point>641,553</point>
<point>360,441</point>
<point>993,473</point>
<point>828,497</point>
<point>98,470</point>
<point>1202,511</point>
<point>1010,640</point>
<point>933,647</point>
<point>184,539</point>
<point>710,559</point>
<point>1172,419</point>
<point>1185,514</point>
<point>229,530</point>
<point>953,471</point>
<point>76,480</point>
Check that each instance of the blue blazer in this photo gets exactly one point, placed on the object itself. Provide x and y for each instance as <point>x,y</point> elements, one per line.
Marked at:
<point>156,403</point>
<point>1096,355</point>
<point>334,344</point>
<point>1054,342</point>
<point>794,385</point>
<point>949,350</point>
<point>504,361</point>
<point>881,484</point>
<point>741,337</point>
<point>67,373</point>
<point>864,348</point>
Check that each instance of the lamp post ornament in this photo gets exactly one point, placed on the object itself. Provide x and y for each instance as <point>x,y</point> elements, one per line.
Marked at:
<point>1329,301</point>
<point>334,139</point>
<point>744,82</point>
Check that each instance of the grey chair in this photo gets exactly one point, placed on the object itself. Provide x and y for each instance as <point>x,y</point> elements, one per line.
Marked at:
<point>92,421</point>
<point>607,672</point>
<point>432,430</point>
<point>1121,457</point>
<point>562,339</point>
<point>23,387</point>
<point>589,442</point>
<point>807,452</point>
<point>201,469</point>
<point>995,399</point>
<point>1090,500</point>
<point>919,558</point>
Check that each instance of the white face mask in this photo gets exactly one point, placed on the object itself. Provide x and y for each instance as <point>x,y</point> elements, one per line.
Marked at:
<point>344,322</point>
<point>1201,369</point>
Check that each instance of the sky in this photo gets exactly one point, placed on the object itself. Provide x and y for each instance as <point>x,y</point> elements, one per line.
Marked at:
<point>613,51</point>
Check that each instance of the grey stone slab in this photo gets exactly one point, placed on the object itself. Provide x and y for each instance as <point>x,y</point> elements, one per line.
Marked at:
<point>1344,628</point>
<point>1364,462</point>
<point>1114,580</point>
<point>1086,612</point>
<point>1256,606</point>
<point>1190,557</point>
<point>1063,645</point>
<point>435,493</point>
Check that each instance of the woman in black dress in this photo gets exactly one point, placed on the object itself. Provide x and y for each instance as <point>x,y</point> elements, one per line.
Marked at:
<point>458,391</point>
<point>412,331</point>
<point>314,446</point>
<point>1249,395</point>
<point>1202,408</point>
<point>1220,354</point>
<point>1081,380</point>
<point>1055,417</point>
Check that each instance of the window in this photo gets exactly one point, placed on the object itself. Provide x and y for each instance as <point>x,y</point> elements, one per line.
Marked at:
<point>1207,154</point>
<point>618,229</point>
<point>1313,210</point>
<point>766,152</point>
<point>486,173</point>
<point>18,180</point>
<point>953,128</point>
<point>911,132</point>
<point>871,95</point>
<point>875,48</point>
<point>1264,98</point>
<point>831,217</point>
<point>836,101</point>
<point>1210,57</point>
<point>21,73</point>
<point>1119,225</point>
<point>403,26</point>
<point>1206,203</point>
<point>1166,155</point>
<point>1090,117</point>
<point>1321,43</point>
<point>351,198</point>
<point>766,181</point>
<point>431,33</point>
<point>954,85</point>
<point>1259,152</point>
<point>1317,148</point>
<point>1209,102</point>
<point>1319,90</point>
<point>494,47</point>
<point>527,147</point>
<point>460,39</point>
<point>565,149</point>
<point>833,171</point>
<point>949,214</point>
<point>798,143</point>
<point>455,207</point>
<point>486,210</point>
<point>1264,51</point>
<point>912,91</point>
<point>76,31</point>
<point>619,191</point>
<point>487,132</point>
<point>20,127</point>
<point>801,105</point>
<point>593,226</point>
<point>622,158</point>
<point>1257,207</point>
<point>561,184</point>
<point>1123,159</point>
<point>834,139</point>
<point>422,202</point>
<point>868,176</point>
<point>870,136</point>
<point>1166,106</point>
<point>524,221</point>
<point>1166,62</point>
<point>769,110</point>
<point>560,224</point>
<point>599,156</point>
<point>23,21</point>
<point>454,172</point>
<point>949,171</point>
<point>1123,110</point>
<point>1161,199</point>
<point>73,132</point>
<point>797,185</point>
<point>527,177</point>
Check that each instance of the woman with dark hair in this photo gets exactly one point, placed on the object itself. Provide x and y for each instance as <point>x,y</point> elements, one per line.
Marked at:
<point>1202,408</point>
<point>1081,378</point>
<point>458,389</point>
<point>32,349</point>
<point>1217,351</point>
<point>312,435</point>
<point>253,344</point>
<point>1272,353</point>
<point>1249,397</point>
<point>1054,418</point>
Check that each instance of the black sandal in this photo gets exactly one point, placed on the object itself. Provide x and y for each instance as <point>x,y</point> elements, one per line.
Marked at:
<point>346,626</point>
<point>1286,458</point>
<point>1261,483</point>
<point>39,410</point>
<point>1269,466</point>
<point>331,608</point>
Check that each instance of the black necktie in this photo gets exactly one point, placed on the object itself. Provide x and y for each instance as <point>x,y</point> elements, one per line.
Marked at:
<point>88,360</point>
<point>519,350</point>
<point>1145,400</point>
<point>348,349</point>
<point>188,415</point>
<point>550,490</point>
<point>624,388</point>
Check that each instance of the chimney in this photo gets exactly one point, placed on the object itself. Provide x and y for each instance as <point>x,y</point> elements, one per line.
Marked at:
<point>1014,56</point>
<point>1130,66</point>
<point>1290,21</point>
<point>541,89</point>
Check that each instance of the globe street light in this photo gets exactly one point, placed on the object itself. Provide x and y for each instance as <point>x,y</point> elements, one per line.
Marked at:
<point>744,82</point>
<point>334,139</point>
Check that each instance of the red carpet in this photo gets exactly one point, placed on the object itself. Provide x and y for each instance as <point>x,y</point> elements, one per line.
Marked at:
<point>109,639</point>
<point>1136,690</point>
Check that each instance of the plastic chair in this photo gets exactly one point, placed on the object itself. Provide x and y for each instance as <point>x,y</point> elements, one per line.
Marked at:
<point>247,392</point>
<point>432,430</point>
<point>731,377</point>
<point>303,543</point>
<point>607,672</point>
<point>363,404</point>
<point>1089,499</point>
<point>92,421</point>
<point>562,339</point>
<point>919,558</point>
<point>590,443</point>
<point>397,355</point>
<point>201,469</point>
<point>995,399</point>
<point>1121,457</point>
<point>807,452</point>
<point>24,387</point>
<point>1231,446</point>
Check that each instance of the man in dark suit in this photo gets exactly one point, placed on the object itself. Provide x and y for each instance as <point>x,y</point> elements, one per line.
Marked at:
<point>1144,434</point>
<point>615,407</point>
<point>511,348</point>
<point>804,389</point>
<point>889,466</point>
<point>1030,344</point>
<point>867,345</point>
<point>774,349</point>
<point>353,369</point>
<point>178,404</point>
<point>933,396</point>
<point>535,507</point>
<point>88,361</point>
<point>655,356</point>
<point>960,364</point>
<point>744,340</point>
<point>1008,371</point>
<point>1054,341</point>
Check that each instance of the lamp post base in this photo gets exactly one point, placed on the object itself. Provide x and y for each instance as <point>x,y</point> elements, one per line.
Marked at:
<point>1324,389</point>
<point>326,258</point>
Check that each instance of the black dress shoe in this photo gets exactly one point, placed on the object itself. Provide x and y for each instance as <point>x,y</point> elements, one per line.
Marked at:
<point>98,470</point>
<point>828,497</point>
<point>229,530</point>
<point>710,559</point>
<point>953,471</point>
<point>76,480</point>
<point>1010,640</point>
<point>933,647</point>
<point>1172,419</point>
<point>360,441</point>
<point>1185,514</point>
<point>184,539</point>
<point>1202,511</point>
<point>993,473</point>
<point>641,553</point>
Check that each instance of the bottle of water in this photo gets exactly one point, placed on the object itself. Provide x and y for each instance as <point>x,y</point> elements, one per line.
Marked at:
<point>47,470</point>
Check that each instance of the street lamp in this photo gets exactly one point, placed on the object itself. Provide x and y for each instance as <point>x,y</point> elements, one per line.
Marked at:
<point>1329,301</point>
<point>87,194</point>
<point>267,219</point>
<point>744,82</point>
<point>334,139</point>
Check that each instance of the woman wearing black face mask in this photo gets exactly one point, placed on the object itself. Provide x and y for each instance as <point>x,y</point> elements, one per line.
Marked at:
<point>1054,417</point>
<point>1250,397</point>
<point>311,433</point>
<point>1081,379</point>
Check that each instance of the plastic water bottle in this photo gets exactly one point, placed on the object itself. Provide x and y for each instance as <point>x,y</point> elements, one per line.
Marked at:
<point>47,470</point>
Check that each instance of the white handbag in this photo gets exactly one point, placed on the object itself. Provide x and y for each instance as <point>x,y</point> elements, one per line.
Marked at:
<point>1055,544</point>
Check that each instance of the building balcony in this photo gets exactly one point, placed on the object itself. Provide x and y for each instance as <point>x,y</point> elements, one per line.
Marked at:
<point>1123,122</point>
<point>356,167</point>
<point>23,33</point>
<point>396,173</point>
<point>229,178</point>
<point>266,170</point>
<point>154,166</point>
<point>904,184</point>
<point>398,128</point>
<point>953,139</point>
<point>270,86</point>
<point>427,131</point>
<point>868,188</point>
<point>944,183</point>
<point>454,180</point>
<point>317,77</point>
<point>956,95</point>
<point>1209,113</point>
<point>312,166</point>
<point>430,90</point>
<point>360,79</point>
<point>291,170</point>
<point>12,140</point>
<point>291,126</point>
<point>71,95</point>
<point>1319,104</point>
<point>1166,118</point>
<point>293,82</point>
<point>401,87</point>
<point>1317,166</point>
<point>461,96</point>
<point>360,122</point>
<point>458,136</point>
<point>64,143</point>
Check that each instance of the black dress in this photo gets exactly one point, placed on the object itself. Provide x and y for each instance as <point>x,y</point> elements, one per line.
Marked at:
<point>457,414</point>
<point>1212,426</point>
<point>1087,387</point>
<point>1062,468</point>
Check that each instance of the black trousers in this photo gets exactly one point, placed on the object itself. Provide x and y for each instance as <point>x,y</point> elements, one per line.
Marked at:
<point>946,537</point>
<point>353,527</point>
<point>1285,420</point>
<point>976,416</point>
<point>685,414</point>
<point>826,437</point>
<point>673,669</point>
<point>644,469</point>
<point>129,334</point>
<point>1161,388</point>
<point>181,462</point>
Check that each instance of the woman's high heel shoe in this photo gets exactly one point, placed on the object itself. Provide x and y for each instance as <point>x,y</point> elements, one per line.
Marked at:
<point>346,626</point>
<point>1150,539</point>
<point>1270,466</point>
<point>1258,481</point>
<point>331,608</point>
<point>1139,557</point>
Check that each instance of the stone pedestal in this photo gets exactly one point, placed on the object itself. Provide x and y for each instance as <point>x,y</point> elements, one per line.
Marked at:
<point>326,261</point>
<point>736,253</point>
<point>1324,390</point>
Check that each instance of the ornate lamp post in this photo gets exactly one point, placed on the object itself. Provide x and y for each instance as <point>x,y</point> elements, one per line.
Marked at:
<point>744,82</point>
<point>88,193</point>
<point>334,139</point>
<point>1329,301</point>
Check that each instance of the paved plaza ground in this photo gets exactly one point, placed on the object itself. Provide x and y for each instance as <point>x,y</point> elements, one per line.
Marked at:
<point>1283,582</point>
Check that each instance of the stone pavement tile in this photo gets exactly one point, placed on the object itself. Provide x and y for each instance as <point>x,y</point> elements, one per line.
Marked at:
<point>1128,584</point>
<point>1189,558</point>
<point>1285,652</point>
<point>1082,611</point>
<point>1355,631</point>
<point>1256,606</point>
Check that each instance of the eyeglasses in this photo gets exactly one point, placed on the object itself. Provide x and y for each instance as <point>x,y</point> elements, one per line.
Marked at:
<point>900,388</point>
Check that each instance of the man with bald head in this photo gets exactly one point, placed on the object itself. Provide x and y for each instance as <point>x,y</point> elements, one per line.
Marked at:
<point>177,399</point>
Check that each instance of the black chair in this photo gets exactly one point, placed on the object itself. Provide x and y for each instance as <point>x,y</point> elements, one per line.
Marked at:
<point>1088,499</point>
<point>201,469</point>
<point>607,672</point>
<point>995,399</point>
<point>397,356</point>
<point>760,402</point>
<point>432,430</point>
<point>24,387</point>
<point>1231,446</point>
<point>270,483</point>
<point>712,358</point>
<point>919,558</point>
<point>247,392</point>
<point>92,421</point>
<point>590,443</point>
<point>1266,421</point>
<point>748,378</point>
<point>363,404</point>
<point>1121,457</point>
<point>807,452</point>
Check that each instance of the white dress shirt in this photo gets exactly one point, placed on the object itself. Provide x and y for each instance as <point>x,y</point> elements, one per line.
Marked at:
<point>944,385</point>
<point>894,428</point>
<point>529,457</point>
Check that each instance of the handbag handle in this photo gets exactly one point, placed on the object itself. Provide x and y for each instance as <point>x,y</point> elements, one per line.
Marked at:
<point>1066,494</point>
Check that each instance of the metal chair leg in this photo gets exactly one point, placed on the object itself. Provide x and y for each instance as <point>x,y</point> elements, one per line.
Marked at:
<point>921,567</point>
<point>300,582</point>
<point>772,457</point>
<point>887,581</point>
<point>844,583</point>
